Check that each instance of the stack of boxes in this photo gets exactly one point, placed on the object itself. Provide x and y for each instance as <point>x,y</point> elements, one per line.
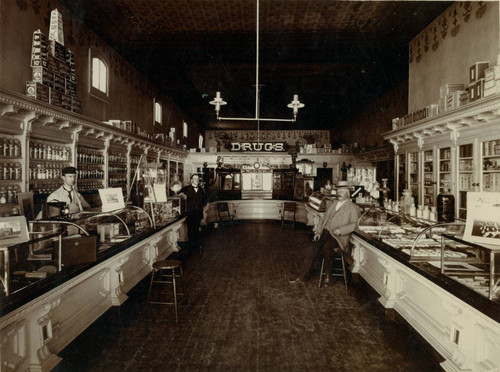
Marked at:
<point>452,96</point>
<point>491,81</point>
<point>484,81</point>
<point>476,80</point>
<point>53,68</point>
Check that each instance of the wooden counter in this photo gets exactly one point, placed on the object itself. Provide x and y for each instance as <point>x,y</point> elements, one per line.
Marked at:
<point>255,209</point>
<point>34,332</point>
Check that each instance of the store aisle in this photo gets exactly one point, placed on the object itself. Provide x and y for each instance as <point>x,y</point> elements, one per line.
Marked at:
<point>245,316</point>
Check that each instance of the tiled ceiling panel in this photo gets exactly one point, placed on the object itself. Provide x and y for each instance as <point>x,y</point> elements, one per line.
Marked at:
<point>337,55</point>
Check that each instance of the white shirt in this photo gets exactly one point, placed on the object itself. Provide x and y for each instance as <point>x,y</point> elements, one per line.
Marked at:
<point>339,204</point>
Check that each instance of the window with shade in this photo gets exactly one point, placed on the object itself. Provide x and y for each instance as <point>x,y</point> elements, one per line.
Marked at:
<point>158,113</point>
<point>184,129</point>
<point>99,75</point>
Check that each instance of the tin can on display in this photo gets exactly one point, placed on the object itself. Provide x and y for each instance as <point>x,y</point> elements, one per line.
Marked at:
<point>43,76</point>
<point>38,91</point>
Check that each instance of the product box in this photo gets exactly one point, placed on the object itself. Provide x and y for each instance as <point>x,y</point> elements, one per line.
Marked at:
<point>76,105</point>
<point>64,70</point>
<point>52,64</point>
<point>449,88</point>
<point>432,110</point>
<point>57,50</point>
<point>38,61</point>
<point>38,91</point>
<point>55,98</point>
<point>59,83</point>
<point>70,88</point>
<point>479,85</point>
<point>456,99</point>
<point>38,50</point>
<point>56,27</point>
<point>476,71</point>
<point>43,75</point>
<point>442,104</point>
<point>66,102</point>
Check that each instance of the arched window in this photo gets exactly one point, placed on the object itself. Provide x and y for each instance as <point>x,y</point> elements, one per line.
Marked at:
<point>184,129</point>
<point>99,75</point>
<point>158,113</point>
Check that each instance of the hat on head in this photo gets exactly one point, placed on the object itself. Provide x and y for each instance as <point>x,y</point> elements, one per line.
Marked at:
<point>342,184</point>
<point>68,170</point>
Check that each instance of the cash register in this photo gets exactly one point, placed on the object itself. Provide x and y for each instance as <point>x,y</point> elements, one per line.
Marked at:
<point>320,201</point>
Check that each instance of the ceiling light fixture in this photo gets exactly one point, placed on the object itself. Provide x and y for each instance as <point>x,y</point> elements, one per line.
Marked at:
<point>295,105</point>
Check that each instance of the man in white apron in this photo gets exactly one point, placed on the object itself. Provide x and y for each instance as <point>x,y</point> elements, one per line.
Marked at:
<point>67,193</point>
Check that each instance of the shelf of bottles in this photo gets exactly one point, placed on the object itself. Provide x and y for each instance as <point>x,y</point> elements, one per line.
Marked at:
<point>401,174</point>
<point>117,170</point>
<point>428,180</point>
<point>413,171</point>
<point>465,177</point>
<point>134,162</point>
<point>90,164</point>
<point>444,169</point>
<point>47,160</point>
<point>491,165</point>
<point>11,170</point>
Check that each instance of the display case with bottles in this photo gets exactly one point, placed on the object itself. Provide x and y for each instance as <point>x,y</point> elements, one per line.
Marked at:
<point>117,167</point>
<point>229,183</point>
<point>46,161</point>
<point>465,174</point>
<point>444,170</point>
<point>283,182</point>
<point>429,193</point>
<point>90,164</point>
<point>413,172</point>
<point>401,180</point>
<point>490,165</point>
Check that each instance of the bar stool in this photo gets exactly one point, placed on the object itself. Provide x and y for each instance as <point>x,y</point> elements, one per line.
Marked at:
<point>166,272</point>
<point>338,256</point>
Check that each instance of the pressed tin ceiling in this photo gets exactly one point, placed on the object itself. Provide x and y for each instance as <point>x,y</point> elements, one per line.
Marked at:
<point>338,56</point>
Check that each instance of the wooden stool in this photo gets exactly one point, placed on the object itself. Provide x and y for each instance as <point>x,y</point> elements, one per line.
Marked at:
<point>339,256</point>
<point>166,272</point>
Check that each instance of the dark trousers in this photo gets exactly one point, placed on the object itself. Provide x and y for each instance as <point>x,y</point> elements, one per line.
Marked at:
<point>325,245</point>
<point>193,226</point>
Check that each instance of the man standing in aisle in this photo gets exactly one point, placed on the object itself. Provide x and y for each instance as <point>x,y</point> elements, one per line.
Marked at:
<point>333,232</point>
<point>195,200</point>
<point>67,193</point>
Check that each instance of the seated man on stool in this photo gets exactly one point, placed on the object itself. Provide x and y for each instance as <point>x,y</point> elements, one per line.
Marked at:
<point>333,232</point>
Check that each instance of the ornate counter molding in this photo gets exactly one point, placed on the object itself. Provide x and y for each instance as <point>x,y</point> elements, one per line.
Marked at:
<point>22,112</point>
<point>480,112</point>
<point>34,333</point>
<point>465,337</point>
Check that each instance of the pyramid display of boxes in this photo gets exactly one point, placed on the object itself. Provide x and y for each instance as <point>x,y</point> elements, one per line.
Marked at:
<point>53,68</point>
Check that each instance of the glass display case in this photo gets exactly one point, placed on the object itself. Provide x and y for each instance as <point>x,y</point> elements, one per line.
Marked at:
<point>66,243</point>
<point>475,266</point>
<point>418,239</point>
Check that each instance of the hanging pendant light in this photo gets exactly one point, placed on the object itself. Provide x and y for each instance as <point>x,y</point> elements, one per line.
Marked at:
<point>295,105</point>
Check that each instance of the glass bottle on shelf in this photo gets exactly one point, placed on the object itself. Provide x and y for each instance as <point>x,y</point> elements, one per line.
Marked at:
<point>445,204</point>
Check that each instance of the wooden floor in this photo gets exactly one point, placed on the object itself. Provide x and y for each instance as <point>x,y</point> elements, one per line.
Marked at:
<point>244,315</point>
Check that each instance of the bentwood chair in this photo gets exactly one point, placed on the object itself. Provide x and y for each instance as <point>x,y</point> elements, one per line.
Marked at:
<point>224,215</point>
<point>288,215</point>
